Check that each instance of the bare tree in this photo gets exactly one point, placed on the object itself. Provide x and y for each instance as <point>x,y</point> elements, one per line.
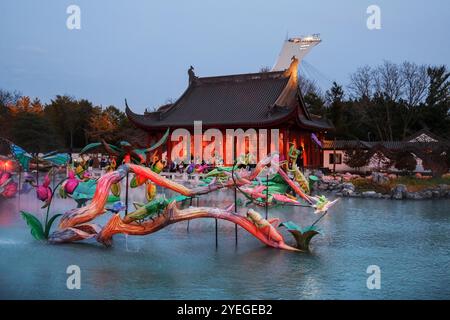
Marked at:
<point>415,82</point>
<point>415,87</point>
<point>9,98</point>
<point>388,80</point>
<point>362,89</point>
<point>389,83</point>
<point>309,86</point>
<point>361,83</point>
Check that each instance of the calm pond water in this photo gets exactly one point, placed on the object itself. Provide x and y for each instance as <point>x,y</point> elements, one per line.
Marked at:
<point>409,241</point>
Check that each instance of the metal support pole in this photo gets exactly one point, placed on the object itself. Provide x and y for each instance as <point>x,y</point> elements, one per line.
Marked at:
<point>267,196</point>
<point>53,177</point>
<point>334,157</point>
<point>235,190</point>
<point>235,209</point>
<point>20,183</point>
<point>37,171</point>
<point>216,234</point>
<point>323,215</point>
<point>190,205</point>
<point>126,195</point>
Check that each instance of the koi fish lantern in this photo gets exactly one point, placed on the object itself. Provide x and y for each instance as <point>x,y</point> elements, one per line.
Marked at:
<point>201,168</point>
<point>137,181</point>
<point>150,191</point>
<point>8,188</point>
<point>116,189</point>
<point>158,166</point>
<point>264,225</point>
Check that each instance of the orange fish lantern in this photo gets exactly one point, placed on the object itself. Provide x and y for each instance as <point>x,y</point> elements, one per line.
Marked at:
<point>79,170</point>
<point>115,189</point>
<point>137,181</point>
<point>113,164</point>
<point>150,191</point>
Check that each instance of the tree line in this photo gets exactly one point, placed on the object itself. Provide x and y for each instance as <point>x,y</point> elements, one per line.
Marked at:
<point>383,103</point>
<point>65,123</point>
<point>387,102</point>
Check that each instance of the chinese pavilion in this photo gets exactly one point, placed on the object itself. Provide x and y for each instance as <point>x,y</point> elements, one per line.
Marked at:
<point>264,100</point>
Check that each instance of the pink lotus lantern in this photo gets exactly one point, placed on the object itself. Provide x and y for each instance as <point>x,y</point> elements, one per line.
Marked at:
<point>71,183</point>
<point>44,193</point>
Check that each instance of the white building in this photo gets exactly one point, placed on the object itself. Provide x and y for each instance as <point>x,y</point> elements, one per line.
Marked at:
<point>334,152</point>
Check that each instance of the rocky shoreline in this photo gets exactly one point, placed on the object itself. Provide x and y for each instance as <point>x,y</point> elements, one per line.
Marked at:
<point>341,188</point>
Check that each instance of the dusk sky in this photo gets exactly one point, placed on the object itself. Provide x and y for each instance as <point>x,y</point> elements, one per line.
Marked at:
<point>141,50</point>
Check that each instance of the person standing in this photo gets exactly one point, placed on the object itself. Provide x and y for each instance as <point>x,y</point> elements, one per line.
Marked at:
<point>299,162</point>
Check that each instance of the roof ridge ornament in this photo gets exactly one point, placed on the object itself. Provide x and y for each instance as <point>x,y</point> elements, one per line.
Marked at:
<point>293,67</point>
<point>192,76</point>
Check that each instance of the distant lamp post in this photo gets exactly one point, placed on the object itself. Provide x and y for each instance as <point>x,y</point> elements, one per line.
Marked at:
<point>334,156</point>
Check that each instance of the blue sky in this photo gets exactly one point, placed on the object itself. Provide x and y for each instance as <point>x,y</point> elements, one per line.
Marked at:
<point>141,50</point>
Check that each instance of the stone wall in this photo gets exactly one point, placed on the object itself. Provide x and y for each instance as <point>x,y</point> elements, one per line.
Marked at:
<point>342,187</point>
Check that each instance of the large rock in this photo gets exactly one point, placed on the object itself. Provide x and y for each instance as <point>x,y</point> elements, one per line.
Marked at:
<point>347,176</point>
<point>399,192</point>
<point>333,186</point>
<point>414,195</point>
<point>348,186</point>
<point>347,189</point>
<point>355,195</point>
<point>329,179</point>
<point>443,190</point>
<point>369,194</point>
<point>318,173</point>
<point>323,186</point>
<point>427,194</point>
<point>347,192</point>
<point>379,178</point>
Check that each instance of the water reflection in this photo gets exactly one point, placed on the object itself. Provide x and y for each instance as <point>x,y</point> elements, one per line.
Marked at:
<point>408,240</point>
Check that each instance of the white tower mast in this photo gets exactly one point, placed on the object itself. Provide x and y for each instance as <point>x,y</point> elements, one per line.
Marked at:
<point>298,47</point>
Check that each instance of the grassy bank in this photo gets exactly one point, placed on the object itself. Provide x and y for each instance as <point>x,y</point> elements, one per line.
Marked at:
<point>413,184</point>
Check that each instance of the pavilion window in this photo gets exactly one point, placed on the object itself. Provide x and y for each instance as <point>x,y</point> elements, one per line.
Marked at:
<point>335,158</point>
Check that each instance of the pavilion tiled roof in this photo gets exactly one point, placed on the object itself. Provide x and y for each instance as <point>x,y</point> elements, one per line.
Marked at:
<point>343,144</point>
<point>255,99</point>
<point>392,145</point>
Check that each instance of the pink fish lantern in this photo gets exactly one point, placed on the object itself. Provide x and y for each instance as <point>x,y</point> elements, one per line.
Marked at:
<point>44,193</point>
<point>4,176</point>
<point>201,168</point>
<point>72,183</point>
<point>87,175</point>
<point>10,190</point>
<point>282,198</point>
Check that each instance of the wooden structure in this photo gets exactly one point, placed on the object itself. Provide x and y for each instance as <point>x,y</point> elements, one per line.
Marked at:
<point>265,100</point>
